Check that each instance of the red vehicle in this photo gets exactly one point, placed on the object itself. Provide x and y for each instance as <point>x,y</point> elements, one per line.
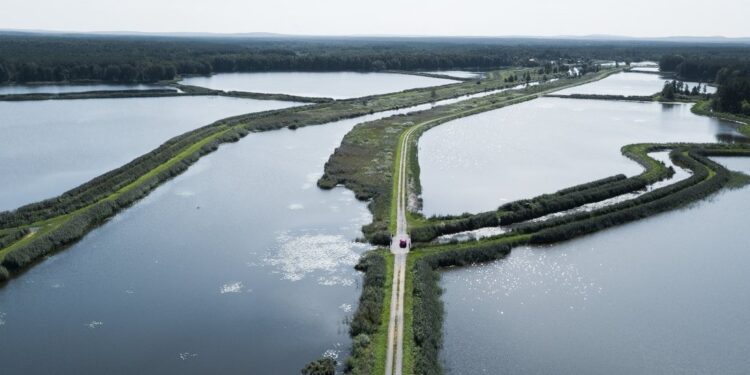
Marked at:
<point>402,244</point>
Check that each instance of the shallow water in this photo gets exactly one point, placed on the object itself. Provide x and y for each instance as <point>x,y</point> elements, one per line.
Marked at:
<point>51,146</point>
<point>632,299</point>
<point>625,84</point>
<point>337,85</point>
<point>477,163</point>
<point>58,89</point>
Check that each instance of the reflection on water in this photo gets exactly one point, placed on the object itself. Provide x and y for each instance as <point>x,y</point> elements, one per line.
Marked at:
<point>212,273</point>
<point>632,299</point>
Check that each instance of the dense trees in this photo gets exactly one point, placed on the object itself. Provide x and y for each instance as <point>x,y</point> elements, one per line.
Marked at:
<point>733,95</point>
<point>674,88</point>
<point>732,74</point>
<point>37,57</point>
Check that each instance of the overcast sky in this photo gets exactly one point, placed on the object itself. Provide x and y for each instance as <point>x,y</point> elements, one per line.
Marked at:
<point>643,18</point>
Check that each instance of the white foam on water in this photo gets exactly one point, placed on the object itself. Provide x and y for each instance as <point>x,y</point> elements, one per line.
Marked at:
<point>298,256</point>
<point>235,287</point>
<point>296,206</point>
<point>186,355</point>
<point>94,324</point>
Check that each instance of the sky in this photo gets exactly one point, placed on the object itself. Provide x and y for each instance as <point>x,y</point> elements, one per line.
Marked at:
<point>639,18</point>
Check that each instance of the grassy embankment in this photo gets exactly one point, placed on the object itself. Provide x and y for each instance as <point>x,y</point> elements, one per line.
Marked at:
<point>60,221</point>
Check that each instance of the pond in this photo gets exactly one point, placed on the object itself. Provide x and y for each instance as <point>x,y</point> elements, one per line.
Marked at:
<point>478,163</point>
<point>51,146</point>
<point>337,85</point>
<point>626,84</point>
<point>457,73</point>
<point>240,265</point>
<point>628,300</point>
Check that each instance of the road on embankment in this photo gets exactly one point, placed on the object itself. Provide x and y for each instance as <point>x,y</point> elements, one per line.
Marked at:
<point>395,351</point>
<point>395,354</point>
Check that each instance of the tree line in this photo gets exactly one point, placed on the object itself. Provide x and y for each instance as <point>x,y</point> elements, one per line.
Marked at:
<point>731,74</point>
<point>675,88</point>
<point>121,59</point>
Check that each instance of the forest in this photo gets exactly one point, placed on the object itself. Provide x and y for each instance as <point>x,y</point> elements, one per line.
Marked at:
<point>731,74</point>
<point>30,57</point>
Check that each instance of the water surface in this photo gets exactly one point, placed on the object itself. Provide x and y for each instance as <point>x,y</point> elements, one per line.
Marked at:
<point>66,88</point>
<point>634,299</point>
<point>240,265</point>
<point>48,147</point>
<point>337,85</point>
<point>625,84</point>
<point>479,162</point>
<point>457,73</point>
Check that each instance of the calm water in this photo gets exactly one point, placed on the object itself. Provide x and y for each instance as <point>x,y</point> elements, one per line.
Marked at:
<point>240,265</point>
<point>57,89</point>
<point>48,147</point>
<point>542,146</point>
<point>646,69</point>
<point>337,85</point>
<point>625,84</point>
<point>457,73</point>
<point>636,299</point>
